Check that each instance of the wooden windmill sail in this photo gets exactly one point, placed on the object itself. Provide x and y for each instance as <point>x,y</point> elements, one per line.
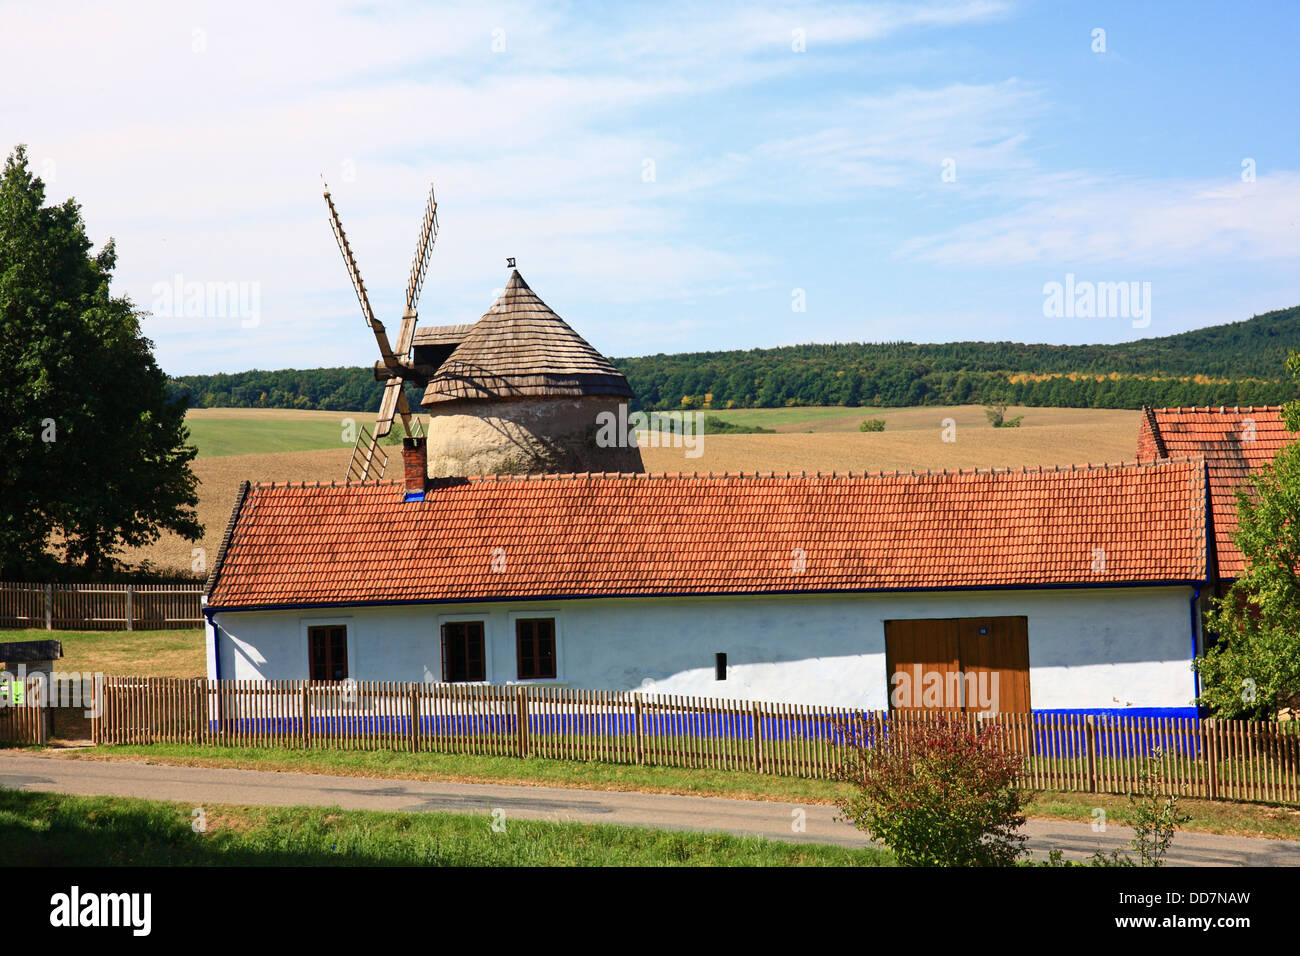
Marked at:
<point>395,365</point>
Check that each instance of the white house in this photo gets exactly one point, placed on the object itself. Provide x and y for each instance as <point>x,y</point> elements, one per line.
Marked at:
<point>1061,589</point>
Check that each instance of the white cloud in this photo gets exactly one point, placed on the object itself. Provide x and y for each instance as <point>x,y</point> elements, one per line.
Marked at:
<point>1142,223</point>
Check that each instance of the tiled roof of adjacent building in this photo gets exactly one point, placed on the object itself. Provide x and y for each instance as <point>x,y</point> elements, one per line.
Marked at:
<point>622,535</point>
<point>1233,441</point>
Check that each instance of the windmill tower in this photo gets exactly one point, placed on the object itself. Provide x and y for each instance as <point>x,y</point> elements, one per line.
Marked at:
<point>517,392</point>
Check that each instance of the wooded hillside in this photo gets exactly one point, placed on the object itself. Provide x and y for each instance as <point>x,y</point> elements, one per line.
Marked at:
<point>1242,363</point>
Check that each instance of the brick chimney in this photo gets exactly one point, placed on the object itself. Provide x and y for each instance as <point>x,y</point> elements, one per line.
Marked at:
<point>415,458</point>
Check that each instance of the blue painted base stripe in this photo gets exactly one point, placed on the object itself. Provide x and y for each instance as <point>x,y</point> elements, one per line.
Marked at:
<point>1112,730</point>
<point>1184,712</point>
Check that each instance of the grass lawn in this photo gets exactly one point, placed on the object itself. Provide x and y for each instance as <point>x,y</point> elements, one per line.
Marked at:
<point>1208,816</point>
<point>178,653</point>
<point>58,830</point>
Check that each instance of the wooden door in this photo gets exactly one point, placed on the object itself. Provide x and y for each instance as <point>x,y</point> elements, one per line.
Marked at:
<point>994,653</point>
<point>968,664</point>
<point>921,658</point>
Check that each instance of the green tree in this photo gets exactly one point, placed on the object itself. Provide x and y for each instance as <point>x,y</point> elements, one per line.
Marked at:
<point>997,415</point>
<point>1254,668</point>
<point>92,454</point>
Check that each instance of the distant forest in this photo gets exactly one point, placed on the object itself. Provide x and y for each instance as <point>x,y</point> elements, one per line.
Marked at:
<point>1242,363</point>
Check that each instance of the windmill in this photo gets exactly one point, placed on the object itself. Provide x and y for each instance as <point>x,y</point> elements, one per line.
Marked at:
<point>516,392</point>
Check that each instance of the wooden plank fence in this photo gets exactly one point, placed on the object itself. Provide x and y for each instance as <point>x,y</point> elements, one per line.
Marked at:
<point>22,713</point>
<point>1237,760</point>
<point>100,606</point>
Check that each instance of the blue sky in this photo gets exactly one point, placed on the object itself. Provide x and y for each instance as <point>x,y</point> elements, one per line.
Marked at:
<point>196,136</point>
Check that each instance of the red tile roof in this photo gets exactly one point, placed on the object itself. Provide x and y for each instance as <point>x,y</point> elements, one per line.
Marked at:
<point>1233,441</point>
<point>606,535</point>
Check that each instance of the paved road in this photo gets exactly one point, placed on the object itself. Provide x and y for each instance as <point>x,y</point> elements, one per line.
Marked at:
<point>202,786</point>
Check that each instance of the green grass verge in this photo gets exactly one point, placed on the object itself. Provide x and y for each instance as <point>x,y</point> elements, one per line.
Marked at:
<point>59,830</point>
<point>1208,816</point>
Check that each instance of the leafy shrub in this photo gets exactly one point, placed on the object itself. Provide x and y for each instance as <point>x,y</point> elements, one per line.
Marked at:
<point>1155,818</point>
<point>997,416</point>
<point>937,793</point>
<point>1155,815</point>
<point>720,426</point>
<point>872,425</point>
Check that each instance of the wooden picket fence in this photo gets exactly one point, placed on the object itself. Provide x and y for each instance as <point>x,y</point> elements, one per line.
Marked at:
<point>23,714</point>
<point>1237,760</point>
<point>100,606</point>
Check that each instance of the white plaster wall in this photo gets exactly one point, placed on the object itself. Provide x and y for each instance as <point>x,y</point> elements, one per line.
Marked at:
<point>1103,648</point>
<point>521,436</point>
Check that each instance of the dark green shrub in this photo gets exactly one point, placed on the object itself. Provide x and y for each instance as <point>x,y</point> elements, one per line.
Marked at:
<point>938,792</point>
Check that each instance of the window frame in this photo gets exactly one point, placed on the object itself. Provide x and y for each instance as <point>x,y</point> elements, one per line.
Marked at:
<point>483,622</point>
<point>350,638</point>
<point>532,614</point>
<point>519,657</point>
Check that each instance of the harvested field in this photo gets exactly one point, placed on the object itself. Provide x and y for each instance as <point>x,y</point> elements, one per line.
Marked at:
<point>912,439</point>
<point>219,481</point>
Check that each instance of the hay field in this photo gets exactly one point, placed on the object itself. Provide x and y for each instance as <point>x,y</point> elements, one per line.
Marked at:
<point>912,439</point>
<point>807,439</point>
<point>219,479</point>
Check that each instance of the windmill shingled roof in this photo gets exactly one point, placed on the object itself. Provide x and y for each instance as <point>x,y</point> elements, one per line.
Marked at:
<point>441,334</point>
<point>521,348</point>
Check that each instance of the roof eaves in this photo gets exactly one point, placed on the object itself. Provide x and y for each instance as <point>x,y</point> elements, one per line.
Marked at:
<point>1051,586</point>
<point>1154,426</point>
<point>225,539</point>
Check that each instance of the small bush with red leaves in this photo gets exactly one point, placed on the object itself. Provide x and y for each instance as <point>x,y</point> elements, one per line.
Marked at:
<point>937,792</point>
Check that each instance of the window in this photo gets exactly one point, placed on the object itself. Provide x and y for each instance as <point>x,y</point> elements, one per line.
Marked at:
<point>462,652</point>
<point>535,642</point>
<point>720,666</point>
<point>328,652</point>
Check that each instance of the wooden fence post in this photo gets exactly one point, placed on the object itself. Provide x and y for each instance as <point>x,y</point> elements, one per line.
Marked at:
<point>521,718</point>
<point>757,710</point>
<point>306,716</point>
<point>49,607</point>
<point>415,719</point>
<point>636,723</point>
<point>1211,749</point>
<point>130,608</point>
<point>1090,734</point>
